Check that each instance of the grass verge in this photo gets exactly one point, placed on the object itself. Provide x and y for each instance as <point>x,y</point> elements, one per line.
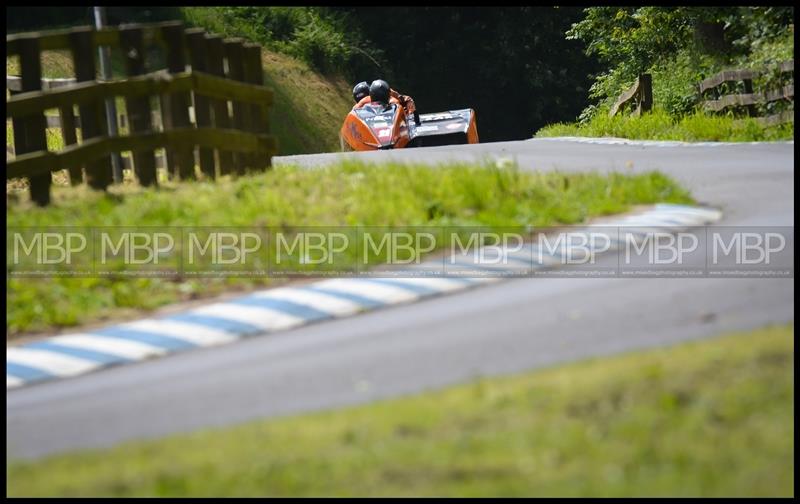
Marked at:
<point>659,125</point>
<point>308,109</point>
<point>711,418</point>
<point>346,194</point>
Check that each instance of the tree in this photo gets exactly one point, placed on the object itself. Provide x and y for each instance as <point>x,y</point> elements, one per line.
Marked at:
<point>631,40</point>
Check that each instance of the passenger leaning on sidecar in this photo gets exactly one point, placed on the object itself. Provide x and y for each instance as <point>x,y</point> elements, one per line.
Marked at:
<point>380,92</point>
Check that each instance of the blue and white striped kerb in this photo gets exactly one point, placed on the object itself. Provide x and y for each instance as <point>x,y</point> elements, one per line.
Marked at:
<point>262,312</point>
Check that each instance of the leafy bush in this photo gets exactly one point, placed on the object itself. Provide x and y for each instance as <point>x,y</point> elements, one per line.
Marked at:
<point>324,39</point>
<point>320,44</point>
<point>630,40</point>
<point>675,81</point>
<point>767,54</point>
<point>680,46</point>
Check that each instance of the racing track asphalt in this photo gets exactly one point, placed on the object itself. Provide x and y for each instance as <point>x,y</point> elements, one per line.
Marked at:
<point>496,329</point>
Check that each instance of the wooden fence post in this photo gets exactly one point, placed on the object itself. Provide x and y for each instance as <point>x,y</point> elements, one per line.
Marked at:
<point>16,126</point>
<point>32,129</point>
<point>259,120</point>
<point>92,115</point>
<point>646,90</point>
<point>67,123</point>
<point>177,115</point>
<point>216,66</point>
<point>748,89</point>
<point>198,59</point>
<point>138,107</point>
<point>233,52</point>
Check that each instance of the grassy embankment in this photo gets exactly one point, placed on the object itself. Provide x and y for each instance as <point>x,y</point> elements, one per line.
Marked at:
<point>710,418</point>
<point>659,125</point>
<point>347,194</point>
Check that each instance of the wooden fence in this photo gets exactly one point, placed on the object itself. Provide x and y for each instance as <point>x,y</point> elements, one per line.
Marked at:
<point>73,122</point>
<point>639,97</point>
<point>220,80</point>
<point>749,99</point>
<point>14,85</point>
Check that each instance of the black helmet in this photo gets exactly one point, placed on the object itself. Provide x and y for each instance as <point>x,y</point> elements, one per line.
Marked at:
<point>379,91</point>
<point>360,91</point>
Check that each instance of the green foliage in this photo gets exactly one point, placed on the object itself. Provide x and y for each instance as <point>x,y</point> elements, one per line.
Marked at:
<point>755,27</point>
<point>766,55</point>
<point>708,418</point>
<point>346,194</point>
<point>318,36</point>
<point>630,40</point>
<point>318,43</point>
<point>680,46</point>
<point>660,125</point>
<point>675,81</point>
<point>768,52</point>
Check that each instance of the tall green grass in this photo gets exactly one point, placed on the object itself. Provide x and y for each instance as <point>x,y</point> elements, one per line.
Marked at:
<point>710,418</point>
<point>346,194</point>
<point>659,125</point>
